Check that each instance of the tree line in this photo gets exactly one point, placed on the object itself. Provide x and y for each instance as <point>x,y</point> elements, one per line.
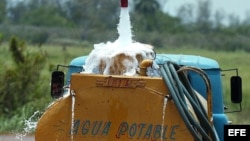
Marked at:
<point>40,21</point>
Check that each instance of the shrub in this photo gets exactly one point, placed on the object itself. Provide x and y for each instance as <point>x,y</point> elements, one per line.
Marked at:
<point>20,81</point>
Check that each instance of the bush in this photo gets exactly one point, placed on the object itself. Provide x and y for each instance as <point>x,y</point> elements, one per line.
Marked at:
<point>20,81</point>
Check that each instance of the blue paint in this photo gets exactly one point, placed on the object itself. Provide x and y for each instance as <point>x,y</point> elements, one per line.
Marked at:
<point>122,129</point>
<point>148,132</point>
<point>106,128</point>
<point>172,133</point>
<point>95,128</point>
<point>141,127</point>
<point>164,131</point>
<point>132,130</point>
<point>157,132</point>
<point>85,127</point>
<point>145,131</point>
<point>76,127</point>
<point>141,131</point>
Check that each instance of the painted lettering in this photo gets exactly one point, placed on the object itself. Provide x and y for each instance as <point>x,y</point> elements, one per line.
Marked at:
<point>132,130</point>
<point>157,132</point>
<point>122,129</point>
<point>75,127</point>
<point>85,127</point>
<point>141,126</point>
<point>173,131</point>
<point>147,131</point>
<point>120,82</point>
<point>106,128</point>
<point>95,128</point>
<point>164,132</point>
<point>139,131</point>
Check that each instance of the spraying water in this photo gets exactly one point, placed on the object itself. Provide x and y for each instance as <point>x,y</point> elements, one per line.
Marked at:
<point>30,126</point>
<point>72,115</point>
<point>124,28</point>
<point>121,57</point>
<point>163,115</point>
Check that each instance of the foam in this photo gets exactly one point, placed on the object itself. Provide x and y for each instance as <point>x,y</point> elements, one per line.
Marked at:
<point>102,58</point>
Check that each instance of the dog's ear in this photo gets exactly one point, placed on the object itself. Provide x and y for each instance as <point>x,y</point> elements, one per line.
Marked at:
<point>149,46</point>
<point>102,66</point>
<point>139,58</point>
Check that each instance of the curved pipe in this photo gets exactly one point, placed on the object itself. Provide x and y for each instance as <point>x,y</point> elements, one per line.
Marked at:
<point>144,65</point>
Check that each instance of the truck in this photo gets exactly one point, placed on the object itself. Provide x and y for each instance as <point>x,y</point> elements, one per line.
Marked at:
<point>113,107</point>
<point>172,97</point>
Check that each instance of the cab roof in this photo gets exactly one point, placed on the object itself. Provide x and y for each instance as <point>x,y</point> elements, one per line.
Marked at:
<point>187,60</point>
<point>180,59</point>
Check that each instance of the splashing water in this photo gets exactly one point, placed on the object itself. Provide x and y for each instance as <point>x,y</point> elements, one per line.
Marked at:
<point>72,115</point>
<point>163,115</point>
<point>107,53</point>
<point>30,126</point>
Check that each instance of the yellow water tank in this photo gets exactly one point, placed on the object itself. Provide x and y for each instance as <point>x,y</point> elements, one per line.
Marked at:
<point>110,108</point>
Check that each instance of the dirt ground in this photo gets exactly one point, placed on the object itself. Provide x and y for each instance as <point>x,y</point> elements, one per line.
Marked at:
<point>16,138</point>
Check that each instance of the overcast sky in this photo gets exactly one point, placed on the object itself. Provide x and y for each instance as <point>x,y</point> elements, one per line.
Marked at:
<point>237,7</point>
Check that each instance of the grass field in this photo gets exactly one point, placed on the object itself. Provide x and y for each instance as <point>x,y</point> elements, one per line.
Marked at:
<point>239,59</point>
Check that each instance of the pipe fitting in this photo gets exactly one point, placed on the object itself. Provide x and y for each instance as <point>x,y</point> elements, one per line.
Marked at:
<point>144,65</point>
<point>124,3</point>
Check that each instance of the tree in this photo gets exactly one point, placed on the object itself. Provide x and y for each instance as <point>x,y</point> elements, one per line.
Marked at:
<point>20,81</point>
<point>38,12</point>
<point>16,12</point>
<point>148,16</point>
<point>234,21</point>
<point>147,7</point>
<point>203,21</point>
<point>246,21</point>
<point>218,19</point>
<point>3,12</point>
<point>94,13</point>
<point>186,13</point>
<point>93,16</point>
<point>44,16</point>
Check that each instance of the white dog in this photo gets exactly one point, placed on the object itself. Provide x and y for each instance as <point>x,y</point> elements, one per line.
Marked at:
<point>111,59</point>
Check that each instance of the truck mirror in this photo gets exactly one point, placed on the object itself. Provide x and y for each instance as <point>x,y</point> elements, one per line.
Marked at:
<point>236,89</point>
<point>57,83</point>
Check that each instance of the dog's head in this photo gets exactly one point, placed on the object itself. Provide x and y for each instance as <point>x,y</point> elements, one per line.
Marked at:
<point>120,61</point>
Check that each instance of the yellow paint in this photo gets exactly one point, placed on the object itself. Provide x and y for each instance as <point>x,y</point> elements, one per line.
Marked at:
<point>109,108</point>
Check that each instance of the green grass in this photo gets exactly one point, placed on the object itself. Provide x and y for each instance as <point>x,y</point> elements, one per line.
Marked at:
<point>63,55</point>
<point>54,55</point>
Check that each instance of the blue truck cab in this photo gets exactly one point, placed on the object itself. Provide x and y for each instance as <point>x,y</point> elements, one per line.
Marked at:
<point>208,65</point>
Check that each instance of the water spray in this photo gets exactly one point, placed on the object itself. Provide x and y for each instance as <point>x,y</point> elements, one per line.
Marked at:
<point>124,26</point>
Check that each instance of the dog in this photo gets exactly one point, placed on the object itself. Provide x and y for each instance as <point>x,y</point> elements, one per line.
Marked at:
<point>109,59</point>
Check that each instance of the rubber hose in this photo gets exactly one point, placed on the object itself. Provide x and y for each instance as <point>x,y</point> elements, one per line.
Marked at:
<point>201,115</point>
<point>184,105</point>
<point>169,83</point>
<point>180,87</point>
<point>199,109</point>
